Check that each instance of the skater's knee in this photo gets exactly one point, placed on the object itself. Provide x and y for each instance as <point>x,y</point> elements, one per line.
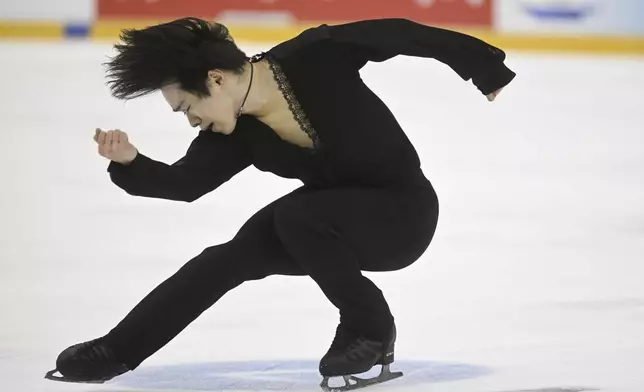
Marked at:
<point>228,259</point>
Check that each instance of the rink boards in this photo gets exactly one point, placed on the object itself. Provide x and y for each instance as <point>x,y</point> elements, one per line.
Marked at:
<point>109,31</point>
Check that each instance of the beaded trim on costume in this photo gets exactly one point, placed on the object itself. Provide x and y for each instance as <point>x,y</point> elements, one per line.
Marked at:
<point>293,104</point>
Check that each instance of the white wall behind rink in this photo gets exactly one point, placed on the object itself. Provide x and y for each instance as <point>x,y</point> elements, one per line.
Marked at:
<point>48,10</point>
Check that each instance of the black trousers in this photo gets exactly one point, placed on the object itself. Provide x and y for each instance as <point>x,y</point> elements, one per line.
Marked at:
<point>329,235</point>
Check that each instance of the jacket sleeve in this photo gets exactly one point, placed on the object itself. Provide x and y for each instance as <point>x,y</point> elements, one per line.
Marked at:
<point>211,160</point>
<point>381,39</point>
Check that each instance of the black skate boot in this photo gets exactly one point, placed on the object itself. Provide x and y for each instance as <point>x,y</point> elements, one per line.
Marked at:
<point>351,353</point>
<point>88,362</point>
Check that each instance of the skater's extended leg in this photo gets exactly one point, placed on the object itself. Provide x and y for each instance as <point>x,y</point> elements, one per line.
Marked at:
<point>179,300</point>
<point>254,253</point>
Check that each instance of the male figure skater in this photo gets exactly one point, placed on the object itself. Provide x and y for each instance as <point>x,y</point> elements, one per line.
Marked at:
<point>299,110</point>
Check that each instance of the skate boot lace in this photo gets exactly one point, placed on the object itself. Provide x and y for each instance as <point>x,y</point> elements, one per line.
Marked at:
<point>94,351</point>
<point>361,348</point>
<point>343,339</point>
<point>101,357</point>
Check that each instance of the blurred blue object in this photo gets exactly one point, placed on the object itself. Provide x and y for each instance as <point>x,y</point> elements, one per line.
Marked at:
<point>77,30</point>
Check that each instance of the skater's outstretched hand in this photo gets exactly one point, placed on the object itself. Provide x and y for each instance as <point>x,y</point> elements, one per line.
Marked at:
<point>114,145</point>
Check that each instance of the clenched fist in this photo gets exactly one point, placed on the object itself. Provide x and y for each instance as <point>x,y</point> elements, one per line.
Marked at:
<point>114,145</point>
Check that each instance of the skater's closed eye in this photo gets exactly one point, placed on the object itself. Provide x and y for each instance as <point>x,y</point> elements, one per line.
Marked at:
<point>178,108</point>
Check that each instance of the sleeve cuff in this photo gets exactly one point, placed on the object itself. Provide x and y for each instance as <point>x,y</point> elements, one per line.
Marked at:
<point>494,79</point>
<point>115,167</point>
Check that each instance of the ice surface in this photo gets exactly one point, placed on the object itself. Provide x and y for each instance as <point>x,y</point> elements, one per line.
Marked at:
<point>533,281</point>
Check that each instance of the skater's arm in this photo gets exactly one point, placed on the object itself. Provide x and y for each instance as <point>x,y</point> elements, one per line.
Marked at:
<point>211,160</point>
<point>381,39</point>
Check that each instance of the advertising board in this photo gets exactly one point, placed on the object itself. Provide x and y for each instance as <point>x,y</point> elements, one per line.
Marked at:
<point>477,13</point>
<point>570,17</point>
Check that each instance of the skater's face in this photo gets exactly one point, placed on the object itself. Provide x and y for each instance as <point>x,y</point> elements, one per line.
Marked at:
<point>216,112</point>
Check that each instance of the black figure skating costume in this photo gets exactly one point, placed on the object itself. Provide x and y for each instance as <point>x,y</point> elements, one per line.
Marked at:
<point>365,204</point>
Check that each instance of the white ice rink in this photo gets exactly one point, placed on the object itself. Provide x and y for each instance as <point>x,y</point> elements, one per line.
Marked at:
<point>534,280</point>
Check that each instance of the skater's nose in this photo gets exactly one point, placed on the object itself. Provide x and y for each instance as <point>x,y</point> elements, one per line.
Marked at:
<point>194,120</point>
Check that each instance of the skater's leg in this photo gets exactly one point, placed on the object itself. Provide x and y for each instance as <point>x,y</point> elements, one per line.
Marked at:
<point>334,234</point>
<point>253,254</point>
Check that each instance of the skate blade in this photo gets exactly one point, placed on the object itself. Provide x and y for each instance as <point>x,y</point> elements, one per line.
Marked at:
<point>353,382</point>
<point>50,376</point>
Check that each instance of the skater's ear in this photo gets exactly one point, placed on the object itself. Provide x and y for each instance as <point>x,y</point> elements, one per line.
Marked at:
<point>216,78</point>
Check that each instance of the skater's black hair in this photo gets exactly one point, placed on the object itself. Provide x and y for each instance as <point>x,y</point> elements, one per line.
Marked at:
<point>181,51</point>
